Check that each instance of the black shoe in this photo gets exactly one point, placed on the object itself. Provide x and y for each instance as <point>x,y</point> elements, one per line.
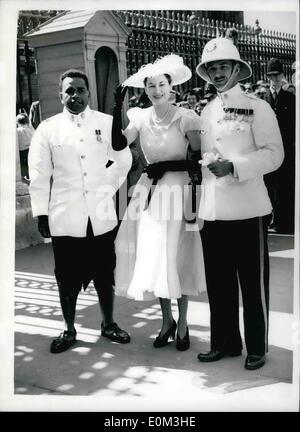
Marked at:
<point>211,356</point>
<point>184,343</point>
<point>162,340</point>
<point>215,355</point>
<point>254,361</point>
<point>114,333</point>
<point>64,341</point>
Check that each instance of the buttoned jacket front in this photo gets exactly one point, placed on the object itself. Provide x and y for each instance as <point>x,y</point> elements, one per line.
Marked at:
<point>69,178</point>
<point>284,109</point>
<point>252,142</point>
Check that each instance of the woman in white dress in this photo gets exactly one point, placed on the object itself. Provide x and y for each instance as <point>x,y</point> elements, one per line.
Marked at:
<point>158,253</point>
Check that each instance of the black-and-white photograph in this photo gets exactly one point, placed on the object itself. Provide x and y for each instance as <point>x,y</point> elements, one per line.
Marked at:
<point>149,208</point>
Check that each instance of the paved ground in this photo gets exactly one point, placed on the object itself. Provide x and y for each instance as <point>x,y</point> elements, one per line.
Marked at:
<point>136,377</point>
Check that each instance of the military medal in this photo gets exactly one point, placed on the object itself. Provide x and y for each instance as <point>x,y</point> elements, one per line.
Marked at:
<point>238,116</point>
<point>98,135</point>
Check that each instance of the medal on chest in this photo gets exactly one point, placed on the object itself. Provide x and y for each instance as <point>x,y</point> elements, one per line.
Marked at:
<point>98,135</point>
<point>236,118</point>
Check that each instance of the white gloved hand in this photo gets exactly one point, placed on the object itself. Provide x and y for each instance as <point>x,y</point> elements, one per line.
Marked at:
<point>208,158</point>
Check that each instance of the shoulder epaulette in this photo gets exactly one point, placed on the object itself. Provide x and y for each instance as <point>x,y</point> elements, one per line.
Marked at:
<point>102,114</point>
<point>53,117</point>
<point>251,96</point>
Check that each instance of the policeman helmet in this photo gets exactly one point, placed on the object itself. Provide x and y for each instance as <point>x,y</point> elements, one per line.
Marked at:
<point>222,49</point>
<point>274,67</point>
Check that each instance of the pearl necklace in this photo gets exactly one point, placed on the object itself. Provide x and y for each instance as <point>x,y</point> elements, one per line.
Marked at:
<point>157,120</point>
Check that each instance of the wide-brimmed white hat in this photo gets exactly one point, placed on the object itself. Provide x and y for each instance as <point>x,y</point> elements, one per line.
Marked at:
<point>222,49</point>
<point>171,64</point>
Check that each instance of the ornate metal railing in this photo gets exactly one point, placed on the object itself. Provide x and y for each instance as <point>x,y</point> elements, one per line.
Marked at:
<point>157,33</point>
<point>31,19</point>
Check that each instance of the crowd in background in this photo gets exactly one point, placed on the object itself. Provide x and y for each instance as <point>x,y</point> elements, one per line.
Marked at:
<point>195,99</point>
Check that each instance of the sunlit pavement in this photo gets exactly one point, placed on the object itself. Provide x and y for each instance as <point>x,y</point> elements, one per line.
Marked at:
<point>137,377</point>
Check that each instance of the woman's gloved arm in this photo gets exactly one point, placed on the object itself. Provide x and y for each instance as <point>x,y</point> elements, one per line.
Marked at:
<point>118,140</point>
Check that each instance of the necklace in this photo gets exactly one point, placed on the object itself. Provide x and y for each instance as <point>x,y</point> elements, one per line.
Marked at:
<point>157,120</point>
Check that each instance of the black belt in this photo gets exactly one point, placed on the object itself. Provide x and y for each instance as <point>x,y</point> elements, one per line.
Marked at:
<point>156,170</point>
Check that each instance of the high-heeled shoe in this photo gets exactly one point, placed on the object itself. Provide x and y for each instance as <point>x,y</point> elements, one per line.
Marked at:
<point>184,343</point>
<point>162,340</point>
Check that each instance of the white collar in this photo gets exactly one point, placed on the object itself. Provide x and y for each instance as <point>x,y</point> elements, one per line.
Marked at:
<point>273,90</point>
<point>231,95</point>
<point>78,118</point>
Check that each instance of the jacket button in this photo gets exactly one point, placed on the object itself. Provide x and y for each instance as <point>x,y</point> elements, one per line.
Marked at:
<point>82,156</point>
<point>85,174</point>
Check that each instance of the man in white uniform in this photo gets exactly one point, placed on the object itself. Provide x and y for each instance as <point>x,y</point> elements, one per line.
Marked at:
<point>72,193</point>
<point>241,142</point>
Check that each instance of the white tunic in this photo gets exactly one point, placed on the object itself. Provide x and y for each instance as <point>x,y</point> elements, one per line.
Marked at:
<point>69,178</point>
<point>252,143</point>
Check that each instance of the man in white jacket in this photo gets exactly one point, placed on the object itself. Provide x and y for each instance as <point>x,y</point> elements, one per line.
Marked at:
<point>241,142</point>
<point>72,193</point>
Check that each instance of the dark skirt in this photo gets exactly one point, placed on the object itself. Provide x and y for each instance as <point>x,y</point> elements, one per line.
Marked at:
<point>78,260</point>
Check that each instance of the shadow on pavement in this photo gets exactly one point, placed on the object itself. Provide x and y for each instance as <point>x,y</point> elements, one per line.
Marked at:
<point>95,364</point>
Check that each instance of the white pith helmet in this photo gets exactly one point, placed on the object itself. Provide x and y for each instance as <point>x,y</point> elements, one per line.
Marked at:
<point>221,49</point>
